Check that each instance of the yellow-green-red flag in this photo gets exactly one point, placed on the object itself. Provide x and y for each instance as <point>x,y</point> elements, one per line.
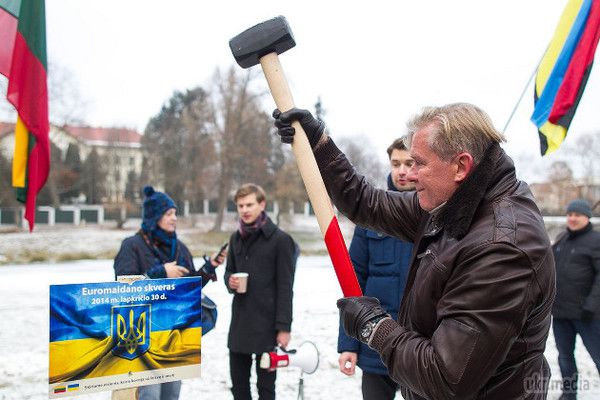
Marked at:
<point>23,62</point>
<point>564,71</point>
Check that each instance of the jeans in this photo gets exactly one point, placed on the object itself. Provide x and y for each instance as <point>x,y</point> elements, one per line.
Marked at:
<point>239,368</point>
<point>160,391</point>
<point>565,332</point>
<point>378,387</point>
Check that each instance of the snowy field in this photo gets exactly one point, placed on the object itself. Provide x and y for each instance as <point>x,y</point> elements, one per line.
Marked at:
<point>24,335</point>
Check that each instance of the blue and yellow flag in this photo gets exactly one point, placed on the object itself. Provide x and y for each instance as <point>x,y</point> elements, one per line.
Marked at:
<point>103,329</point>
<point>564,71</point>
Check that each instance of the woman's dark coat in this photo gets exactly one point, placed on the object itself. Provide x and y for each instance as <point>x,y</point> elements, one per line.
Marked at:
<point>136,257</point>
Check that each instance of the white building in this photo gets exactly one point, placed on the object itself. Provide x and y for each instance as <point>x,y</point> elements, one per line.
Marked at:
<point>121,147</point>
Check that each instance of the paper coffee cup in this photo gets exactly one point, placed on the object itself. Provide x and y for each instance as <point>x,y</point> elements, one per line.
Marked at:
<point>243,277</point>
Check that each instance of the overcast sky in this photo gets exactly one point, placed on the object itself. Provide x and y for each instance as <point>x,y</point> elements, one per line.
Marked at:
<point>374,63</point>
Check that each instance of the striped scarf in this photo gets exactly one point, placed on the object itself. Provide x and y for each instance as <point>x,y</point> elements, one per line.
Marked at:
<point>246,230</point>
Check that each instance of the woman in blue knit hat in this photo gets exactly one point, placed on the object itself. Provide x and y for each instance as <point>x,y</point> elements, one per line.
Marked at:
<point>156,252</point>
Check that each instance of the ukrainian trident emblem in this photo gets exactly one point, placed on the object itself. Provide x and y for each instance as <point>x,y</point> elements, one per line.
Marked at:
<point>130,330</point>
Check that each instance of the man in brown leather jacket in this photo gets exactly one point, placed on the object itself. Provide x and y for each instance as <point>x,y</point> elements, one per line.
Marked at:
<point>475,315</point>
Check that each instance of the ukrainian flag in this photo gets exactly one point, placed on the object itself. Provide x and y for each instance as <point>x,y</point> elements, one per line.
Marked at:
<point>564,71</point>
<point>156,326</point>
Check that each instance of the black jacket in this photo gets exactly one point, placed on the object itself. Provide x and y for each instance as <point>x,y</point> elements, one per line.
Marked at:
<point>475,315</point>
<point>269,257</point>
<point>136,257</point>
<point>577,258</point>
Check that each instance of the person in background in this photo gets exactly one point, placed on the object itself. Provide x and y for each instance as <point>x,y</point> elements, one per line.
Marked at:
<point>156,252</point>
<point>577,305</point>
<point>381,263</point>
<point>261,317</point>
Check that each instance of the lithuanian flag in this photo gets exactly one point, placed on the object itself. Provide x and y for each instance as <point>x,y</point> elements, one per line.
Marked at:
<point>23,62</point>
<point>564,71</point>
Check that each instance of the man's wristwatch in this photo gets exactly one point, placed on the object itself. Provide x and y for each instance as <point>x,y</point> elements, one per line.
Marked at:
<point>367,330</point>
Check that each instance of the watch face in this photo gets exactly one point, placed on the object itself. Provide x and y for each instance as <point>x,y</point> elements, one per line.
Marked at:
<point>366,330</point>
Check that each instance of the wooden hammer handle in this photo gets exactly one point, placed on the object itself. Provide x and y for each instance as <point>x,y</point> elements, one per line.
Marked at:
<point>312,180</point>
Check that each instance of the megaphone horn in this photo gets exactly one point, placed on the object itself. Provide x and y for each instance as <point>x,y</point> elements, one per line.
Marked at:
<point>305,357</point>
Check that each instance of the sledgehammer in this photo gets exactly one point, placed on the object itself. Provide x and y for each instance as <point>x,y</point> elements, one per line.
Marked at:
<point>261,44</point>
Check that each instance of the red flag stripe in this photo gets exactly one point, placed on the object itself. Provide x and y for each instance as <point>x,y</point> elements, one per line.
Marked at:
<point>27,89</point>
<point>579,67</point>
<point>28,92</point>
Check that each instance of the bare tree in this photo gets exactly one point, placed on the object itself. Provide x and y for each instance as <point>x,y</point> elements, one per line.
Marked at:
<point>360,152</point>
<point>289,187</point>
<point>586,150</point>
<point>179,147</point>
<point>243,130</point>
<point>560,171</point>
<point>7,193</point>
<point>66,104</point>
<point>93,177</point>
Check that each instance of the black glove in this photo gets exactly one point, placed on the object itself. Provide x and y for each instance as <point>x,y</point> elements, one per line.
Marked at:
<point>313,127</point>
<point>587,316</point>
<point>355,312</point>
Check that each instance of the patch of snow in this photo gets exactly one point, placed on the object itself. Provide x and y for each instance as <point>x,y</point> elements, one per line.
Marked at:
<point>24,335</point>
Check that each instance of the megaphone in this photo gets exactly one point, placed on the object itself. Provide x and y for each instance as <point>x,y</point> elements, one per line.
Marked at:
<point>305,357</point>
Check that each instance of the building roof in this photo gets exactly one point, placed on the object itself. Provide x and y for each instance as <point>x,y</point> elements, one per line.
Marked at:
<point>105,136</point>
<point>6,128</point>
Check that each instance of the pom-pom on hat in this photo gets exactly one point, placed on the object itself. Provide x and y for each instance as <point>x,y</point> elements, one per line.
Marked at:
<point>155,205</point>
<point>580,206</point>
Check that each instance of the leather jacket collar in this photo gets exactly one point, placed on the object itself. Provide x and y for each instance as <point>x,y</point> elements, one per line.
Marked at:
<point>495,169</point>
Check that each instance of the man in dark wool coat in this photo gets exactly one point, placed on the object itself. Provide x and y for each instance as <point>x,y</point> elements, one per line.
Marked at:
<point>576,310</point>
<point>261,313</point>
<point>475,315</point>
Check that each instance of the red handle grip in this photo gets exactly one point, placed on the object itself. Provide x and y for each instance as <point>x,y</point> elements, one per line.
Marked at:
<point>341,260</point>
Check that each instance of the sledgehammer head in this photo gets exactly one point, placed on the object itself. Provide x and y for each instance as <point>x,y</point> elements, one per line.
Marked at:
<point>267,37</point>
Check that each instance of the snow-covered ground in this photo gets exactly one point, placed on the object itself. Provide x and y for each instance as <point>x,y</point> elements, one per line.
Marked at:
<point>24,335</point>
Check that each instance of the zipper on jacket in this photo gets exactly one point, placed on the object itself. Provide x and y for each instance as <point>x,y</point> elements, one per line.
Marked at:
<point>423,254</point>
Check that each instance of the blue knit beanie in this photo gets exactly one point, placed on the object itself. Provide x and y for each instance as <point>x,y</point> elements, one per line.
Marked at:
<point>580,206</point>
<point>154,207</point>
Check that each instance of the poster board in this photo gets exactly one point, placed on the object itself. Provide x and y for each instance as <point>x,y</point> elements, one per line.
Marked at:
<point>112,335</point>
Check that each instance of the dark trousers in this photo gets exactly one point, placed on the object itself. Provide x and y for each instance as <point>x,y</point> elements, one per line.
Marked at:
<point>565,332</point>
<point>378,387</point>
<point>160,391</point>
<point>239,368</point>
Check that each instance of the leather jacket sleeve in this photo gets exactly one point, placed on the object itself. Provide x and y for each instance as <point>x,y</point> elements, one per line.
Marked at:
<point>394,213</point>
<point>475,330</point>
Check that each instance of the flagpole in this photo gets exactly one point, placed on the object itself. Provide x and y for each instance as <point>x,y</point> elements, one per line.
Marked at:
<point>520,97</point>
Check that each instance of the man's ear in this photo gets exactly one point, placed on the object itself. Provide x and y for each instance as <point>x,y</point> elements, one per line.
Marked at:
<point>463,165</point>
<point>263,205</point>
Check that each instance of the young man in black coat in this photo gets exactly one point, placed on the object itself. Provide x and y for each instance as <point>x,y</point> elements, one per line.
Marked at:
<point>261,315</point>
<point>576,309</point>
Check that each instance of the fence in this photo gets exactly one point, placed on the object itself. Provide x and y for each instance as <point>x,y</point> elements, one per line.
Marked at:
<point>98,214</point>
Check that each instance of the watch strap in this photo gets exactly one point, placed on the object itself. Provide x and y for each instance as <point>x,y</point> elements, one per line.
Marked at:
<point>380,332</point>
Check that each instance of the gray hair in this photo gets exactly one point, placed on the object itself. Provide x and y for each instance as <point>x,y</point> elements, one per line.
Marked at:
<point>456,128</point>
